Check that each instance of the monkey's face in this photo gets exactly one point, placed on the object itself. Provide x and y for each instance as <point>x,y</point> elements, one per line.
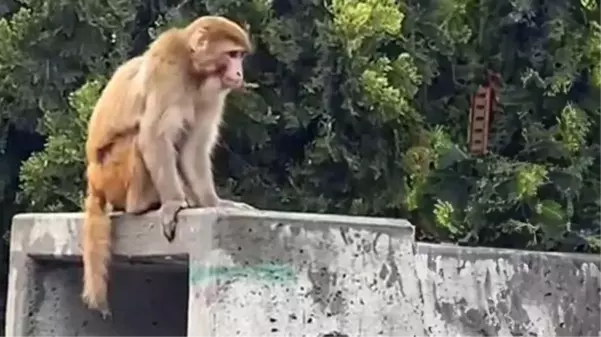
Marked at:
<point>225,72</point>
<point>229,68</point>
<point>232,72</point>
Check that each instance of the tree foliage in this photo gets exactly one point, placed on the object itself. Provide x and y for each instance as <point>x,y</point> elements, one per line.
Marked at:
<point>361,108</point>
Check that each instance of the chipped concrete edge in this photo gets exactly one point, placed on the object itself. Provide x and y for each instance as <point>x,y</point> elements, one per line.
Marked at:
<point>316,219</point>
<point>58,234</point>
<point>479,253</point>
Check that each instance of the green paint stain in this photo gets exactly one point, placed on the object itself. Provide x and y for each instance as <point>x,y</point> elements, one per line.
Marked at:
<point>262,272</point>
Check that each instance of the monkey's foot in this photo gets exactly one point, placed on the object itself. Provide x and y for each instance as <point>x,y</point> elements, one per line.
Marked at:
<point>234,204</point>
<point>168,213</point>
<point>102,308</point>
<point>105,313</point>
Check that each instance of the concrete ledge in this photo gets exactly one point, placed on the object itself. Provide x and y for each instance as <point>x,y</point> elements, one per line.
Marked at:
<point>57,234</point>
<point>253,273</point>
<point>233,262</point>
<point>502,292</point>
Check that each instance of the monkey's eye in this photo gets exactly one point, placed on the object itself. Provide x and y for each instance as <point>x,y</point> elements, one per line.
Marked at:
<point>235,54</point>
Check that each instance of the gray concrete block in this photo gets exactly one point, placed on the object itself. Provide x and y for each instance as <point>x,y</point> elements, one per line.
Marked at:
<point>248,273</point>
<point>503,292</point>
<point>290,276</point>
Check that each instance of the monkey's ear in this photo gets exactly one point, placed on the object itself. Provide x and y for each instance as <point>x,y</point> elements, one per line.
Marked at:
<point>199,40</point>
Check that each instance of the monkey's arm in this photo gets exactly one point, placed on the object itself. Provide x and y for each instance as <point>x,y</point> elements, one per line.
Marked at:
<point>196,168</point>
<point>160,128</point>
<point>158,133</point>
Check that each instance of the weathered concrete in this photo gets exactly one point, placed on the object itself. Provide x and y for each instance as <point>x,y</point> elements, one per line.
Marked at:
<point>245,273</point>
<point>503,292</point>
<point>325,277</point>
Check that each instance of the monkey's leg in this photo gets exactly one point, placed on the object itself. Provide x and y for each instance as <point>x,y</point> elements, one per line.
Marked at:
<point>156,144</point>
<point>141,194</point>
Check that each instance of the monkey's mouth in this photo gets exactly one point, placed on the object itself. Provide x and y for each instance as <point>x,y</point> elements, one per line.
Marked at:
<point>246,87</point>
<point>233,84</point>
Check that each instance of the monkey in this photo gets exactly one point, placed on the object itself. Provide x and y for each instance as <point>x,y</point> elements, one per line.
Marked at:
<point>152,133</point>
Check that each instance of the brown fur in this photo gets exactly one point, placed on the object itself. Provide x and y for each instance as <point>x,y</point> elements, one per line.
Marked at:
<point>158,115</point>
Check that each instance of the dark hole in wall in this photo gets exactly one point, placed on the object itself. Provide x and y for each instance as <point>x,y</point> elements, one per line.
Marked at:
<point>150,300</point>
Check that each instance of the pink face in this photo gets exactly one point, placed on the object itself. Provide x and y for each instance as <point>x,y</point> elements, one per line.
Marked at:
<point>232,76</point>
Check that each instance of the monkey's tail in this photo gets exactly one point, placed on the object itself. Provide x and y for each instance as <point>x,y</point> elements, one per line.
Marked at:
<point>96,251</point>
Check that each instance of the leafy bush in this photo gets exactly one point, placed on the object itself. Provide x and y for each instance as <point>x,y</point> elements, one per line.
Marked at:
<point>362,108</point>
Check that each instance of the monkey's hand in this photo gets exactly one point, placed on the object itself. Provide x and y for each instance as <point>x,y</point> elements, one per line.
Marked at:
<point>168,213</point>
<point>234,204</point>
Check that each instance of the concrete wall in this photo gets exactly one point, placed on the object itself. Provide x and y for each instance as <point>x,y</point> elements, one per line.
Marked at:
<point>502,292</point>
<point>244,273</point>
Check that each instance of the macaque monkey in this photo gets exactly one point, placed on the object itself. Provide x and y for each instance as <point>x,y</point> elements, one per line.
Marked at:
<point>152,133</point>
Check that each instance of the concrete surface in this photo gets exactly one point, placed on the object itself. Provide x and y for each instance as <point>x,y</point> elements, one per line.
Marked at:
<point>247,273</point>
<point>503,292</point>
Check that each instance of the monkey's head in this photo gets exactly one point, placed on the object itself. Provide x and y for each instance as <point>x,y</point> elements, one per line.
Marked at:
<point>218,47</point>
